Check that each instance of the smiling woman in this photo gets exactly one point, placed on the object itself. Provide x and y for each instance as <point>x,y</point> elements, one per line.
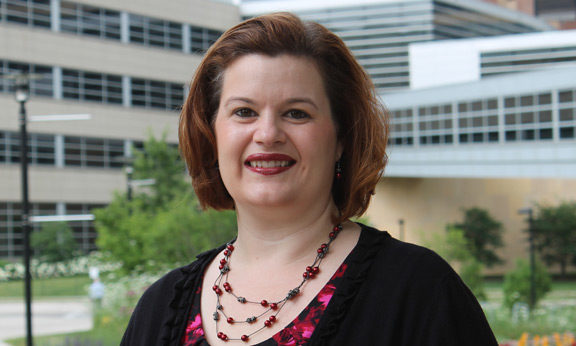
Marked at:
<point>283,125</point>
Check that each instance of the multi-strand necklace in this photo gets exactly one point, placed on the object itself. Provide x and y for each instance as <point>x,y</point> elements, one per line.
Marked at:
<point>270,307</point>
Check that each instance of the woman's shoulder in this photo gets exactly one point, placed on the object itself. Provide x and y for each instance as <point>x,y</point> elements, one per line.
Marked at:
<point>404,259</point>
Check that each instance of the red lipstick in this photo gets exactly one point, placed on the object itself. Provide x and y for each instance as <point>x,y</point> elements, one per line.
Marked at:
<point>269,164</point>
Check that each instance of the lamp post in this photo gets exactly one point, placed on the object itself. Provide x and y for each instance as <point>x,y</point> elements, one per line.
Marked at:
<point>22,93</point>
<point>528,211</point>
<point>401,224</point>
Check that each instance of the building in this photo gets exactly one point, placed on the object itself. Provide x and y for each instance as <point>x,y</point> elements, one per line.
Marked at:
<point>124,62</point>
<point>490,122</point>
<point>559,13</point>
<point>379,32</point>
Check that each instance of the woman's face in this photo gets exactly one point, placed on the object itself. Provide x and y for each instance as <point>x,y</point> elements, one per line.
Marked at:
<point>276,139</point>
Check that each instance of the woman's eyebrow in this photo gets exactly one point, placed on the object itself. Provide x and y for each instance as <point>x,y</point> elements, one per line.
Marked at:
<point>239,99</point>
<point>302,100</point>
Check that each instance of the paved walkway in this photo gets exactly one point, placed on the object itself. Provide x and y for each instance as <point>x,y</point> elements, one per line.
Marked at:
<point>49,316</point>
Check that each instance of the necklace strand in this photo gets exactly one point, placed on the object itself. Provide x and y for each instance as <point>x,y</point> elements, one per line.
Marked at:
<point>270,306</point>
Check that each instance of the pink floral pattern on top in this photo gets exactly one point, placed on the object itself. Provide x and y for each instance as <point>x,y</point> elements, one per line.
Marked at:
<point>298,332</point>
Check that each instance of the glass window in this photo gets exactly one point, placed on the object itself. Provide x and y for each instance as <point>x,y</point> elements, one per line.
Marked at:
<point>155,32</point>
<point>88,20</point>
<point>41,149</point>
<point>545,133</point>
<point>567,132</point>
<point>93,152</point>
<point>527,117</point>
<point>566,96</point>
<point>567,114</point>
<point>545,99</point>
<point>510,136</point>
<point>91,86</point>
<point>527,100</point>
<point>34,13</point>
<point>509,102</point>
<point>157,94</point>
<point>38,87</point>
<point>545,116</point>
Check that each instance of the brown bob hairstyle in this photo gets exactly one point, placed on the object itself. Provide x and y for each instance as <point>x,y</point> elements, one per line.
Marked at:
<point>360,119</point>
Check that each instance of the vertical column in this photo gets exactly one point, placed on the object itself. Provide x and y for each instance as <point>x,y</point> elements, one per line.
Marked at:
<point>59,150</point>
<point>57,82</point>
<point>455,124</point>
<point>124,27</point>
<point>555,116</point>
<point>126,91</point>
<point>415,126</point>
<point>186,38</point>
<point>127,148</point>
<point>55,15</point>
<point>501,121</point>
<point>60,208</point>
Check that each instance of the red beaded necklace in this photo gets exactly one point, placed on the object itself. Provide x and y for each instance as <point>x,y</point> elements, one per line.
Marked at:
<point>273,307</point>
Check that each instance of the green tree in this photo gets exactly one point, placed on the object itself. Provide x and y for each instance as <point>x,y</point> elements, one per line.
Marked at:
<point>517,284</point>
<point>555,233</point>
<point>452,245</point>
<point>54,242</point>
<point>483,234</point>
<point>162,224</point>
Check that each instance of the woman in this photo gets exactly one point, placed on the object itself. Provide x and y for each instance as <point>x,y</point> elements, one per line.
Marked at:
<point>283,125</point>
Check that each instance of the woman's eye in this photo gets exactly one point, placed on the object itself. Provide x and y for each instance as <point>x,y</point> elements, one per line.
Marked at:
<point>297,114</point>
<point>245,113</point>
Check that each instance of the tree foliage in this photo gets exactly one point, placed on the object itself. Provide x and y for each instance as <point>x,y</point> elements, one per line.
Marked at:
<point>517,284</point>
<point>555,233</point>
<point>453,247</point>
<point>54,242</point>
<point>483,234</point>
<point>162,225</point>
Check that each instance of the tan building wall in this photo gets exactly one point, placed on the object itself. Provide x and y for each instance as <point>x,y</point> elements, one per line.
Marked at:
<point>427,205</point>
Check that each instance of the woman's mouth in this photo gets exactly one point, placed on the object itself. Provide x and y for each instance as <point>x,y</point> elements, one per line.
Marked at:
<point>269,164</point>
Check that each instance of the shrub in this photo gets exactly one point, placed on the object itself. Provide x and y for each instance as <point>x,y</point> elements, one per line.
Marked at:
<point>517,284</point>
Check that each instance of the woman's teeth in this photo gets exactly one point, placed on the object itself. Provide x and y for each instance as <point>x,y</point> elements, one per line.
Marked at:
<point>268,164</point>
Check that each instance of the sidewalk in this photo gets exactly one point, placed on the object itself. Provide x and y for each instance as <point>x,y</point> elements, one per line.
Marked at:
<point>49,316</point>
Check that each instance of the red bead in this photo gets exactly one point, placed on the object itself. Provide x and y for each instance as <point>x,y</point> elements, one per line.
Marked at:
<point>272,318</point>
<point>230,247</point>
<point>316,270</point>
<point>221,266</point>
<point>267,323</point>
<point>320,250</point>
<point>224,337</point>
<point>273,306</point>
<point>336,228</point>
<point>323,246</point>
<point>244,338</point>
<point>308,269</point>
<point>332,235</point>
<point>220,334</point>
<point>230,320</point>
<point>338,175</point>
<point>223,261</point>
<point>215,288</point>
<point>226,252</point>
<point>219,291</point>
<point>264,302</point>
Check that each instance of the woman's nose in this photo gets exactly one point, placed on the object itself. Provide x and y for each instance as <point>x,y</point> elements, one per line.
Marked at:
<point>269,130</point>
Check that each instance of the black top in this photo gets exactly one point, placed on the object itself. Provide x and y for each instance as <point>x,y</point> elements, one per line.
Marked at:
<point>392,293</point>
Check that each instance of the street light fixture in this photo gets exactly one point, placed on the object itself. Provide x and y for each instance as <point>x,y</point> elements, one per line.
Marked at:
<point>22,94</point>
<point>529,212</point>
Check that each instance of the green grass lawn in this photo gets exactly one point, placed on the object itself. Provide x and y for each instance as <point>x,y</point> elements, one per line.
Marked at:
<point>58,287</point>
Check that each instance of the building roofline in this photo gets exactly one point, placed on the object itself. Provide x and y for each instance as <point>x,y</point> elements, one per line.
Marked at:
<point>250,8</point>
<point>495,86</point>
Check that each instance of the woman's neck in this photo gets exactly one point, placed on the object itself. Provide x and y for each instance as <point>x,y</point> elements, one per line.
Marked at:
<point>278,236</point>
